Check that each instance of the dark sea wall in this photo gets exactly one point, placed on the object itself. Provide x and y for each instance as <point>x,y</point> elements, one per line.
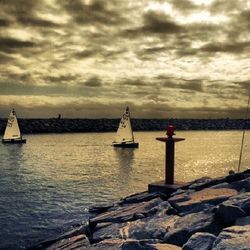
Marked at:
<point>33,126</point>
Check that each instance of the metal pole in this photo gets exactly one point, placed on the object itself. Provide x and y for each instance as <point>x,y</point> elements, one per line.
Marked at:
<point>169,169</point>
<point>243,135</point>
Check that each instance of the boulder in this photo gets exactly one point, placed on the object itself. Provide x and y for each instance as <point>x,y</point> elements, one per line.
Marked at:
<point>130,244</point>
<point>80,230</point>
<point>241,200</point>
<point>136,198</point>
<point>233,238</point>
<point>110,244</point>
<point>101,208</point>
<point>229,213</point>
<point>185,226</point>
<point>206,182</point>
<point>107,231</point>
<point>184,203</point>
<point>200,241</point>
<point>243,185</point>
<point>235,177</point>
<point>243,221</point>
<point>126,213</point>
<point>149,228</point>
<point>75,242</point>
<point>160,246</point>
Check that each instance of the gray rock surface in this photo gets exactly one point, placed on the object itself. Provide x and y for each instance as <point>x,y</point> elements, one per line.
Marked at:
<point>244,221</point>
<point>241,200</point>
<point>76,242</point>
<point>189,224</point>
<point>229,213</point>
<point>200,241</point>
<point>184,202</point>
<point>233,238</point>
<point>127,213</point>
<point>152,228</point>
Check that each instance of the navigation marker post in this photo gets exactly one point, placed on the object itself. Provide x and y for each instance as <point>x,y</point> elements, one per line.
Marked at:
<point>168,186</point>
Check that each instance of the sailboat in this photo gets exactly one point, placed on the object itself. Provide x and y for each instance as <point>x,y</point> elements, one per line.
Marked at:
<point>124,136</point>
<point>12,132</point>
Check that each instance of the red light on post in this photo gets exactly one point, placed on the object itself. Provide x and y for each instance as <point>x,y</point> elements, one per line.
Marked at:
<point>170,131</point>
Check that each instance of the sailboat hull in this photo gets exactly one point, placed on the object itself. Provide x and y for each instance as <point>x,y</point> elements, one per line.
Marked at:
<point>126,145</point>
<point>13,141</point>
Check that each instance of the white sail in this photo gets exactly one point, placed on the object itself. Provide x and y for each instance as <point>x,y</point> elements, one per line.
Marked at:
<point>124,132</point>
<point>12,130</point>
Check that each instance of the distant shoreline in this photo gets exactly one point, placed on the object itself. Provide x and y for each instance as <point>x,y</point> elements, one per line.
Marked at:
<point>54,125</point>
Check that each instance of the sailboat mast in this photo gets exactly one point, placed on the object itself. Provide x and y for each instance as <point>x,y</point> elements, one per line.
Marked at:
<point>243,134</point>
<point>130,124</point>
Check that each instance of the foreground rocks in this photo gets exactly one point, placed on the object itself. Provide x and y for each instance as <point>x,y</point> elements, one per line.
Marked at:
<point>206,214</point>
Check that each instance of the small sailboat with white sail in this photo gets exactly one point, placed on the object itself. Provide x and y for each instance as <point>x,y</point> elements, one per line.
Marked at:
<point>124,136</point>
<point>12,132</point>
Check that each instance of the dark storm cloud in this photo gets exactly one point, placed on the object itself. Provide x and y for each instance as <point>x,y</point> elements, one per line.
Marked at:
<point>245,85</point>
<point>11,44</point>
<point>234,48</point>
<point>155,23</point>
<point>67,78</point>
<point>159,23</point>
<point>175,83</point>
<point>4,23</point>
<point>19,7</point>
<point>96,12</point>
<point>134,82</point>
<point>33,21</point>
<point>99,51</point>
<point>93,82</point>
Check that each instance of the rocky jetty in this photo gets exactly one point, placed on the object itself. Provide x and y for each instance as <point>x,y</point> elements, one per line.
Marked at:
<point>56,125</point>
<point>205,214</point>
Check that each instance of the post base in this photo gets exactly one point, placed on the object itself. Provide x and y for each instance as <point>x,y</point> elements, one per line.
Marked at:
<point>167,189</point>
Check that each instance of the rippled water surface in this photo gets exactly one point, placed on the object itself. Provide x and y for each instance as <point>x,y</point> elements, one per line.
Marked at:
<point>47,184</point>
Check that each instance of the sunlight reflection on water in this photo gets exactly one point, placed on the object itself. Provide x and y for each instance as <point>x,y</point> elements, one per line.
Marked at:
<point>48,183</point>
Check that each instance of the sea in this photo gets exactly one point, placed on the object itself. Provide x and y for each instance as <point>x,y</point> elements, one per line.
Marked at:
<point>48,184</point>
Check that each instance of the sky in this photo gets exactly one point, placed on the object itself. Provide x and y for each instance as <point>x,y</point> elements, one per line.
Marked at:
<point>92,58</point>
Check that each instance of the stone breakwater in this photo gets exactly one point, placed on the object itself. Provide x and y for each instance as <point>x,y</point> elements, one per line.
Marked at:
<point>205,214</point>
<point>53,125</point>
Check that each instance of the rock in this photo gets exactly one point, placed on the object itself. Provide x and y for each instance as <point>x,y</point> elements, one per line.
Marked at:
<point>235,177</point>
<point>150,228</point>
<point>208,195</point>
<point>241,200</point>
<point>200,241</point>
<point>126,213</point>
<point>206,182</point>
<point>75,242</point>
<point>100,208</point>
<point>81,230</point>
<point>130,244</point>
<point>160,246</point>
<point>244,221</point>
<point>233,238</point>
<point>135,245</point>
<point>136,198</point>
<point>243,185</point>
<point>202,207</point>
<point>107,231</point>
<point>109,244</point>
<point>229,213</point>
<point>189,224</point>
<point>223,185</point>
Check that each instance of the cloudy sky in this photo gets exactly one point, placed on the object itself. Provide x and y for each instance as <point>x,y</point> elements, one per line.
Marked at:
<point>91,58</point>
